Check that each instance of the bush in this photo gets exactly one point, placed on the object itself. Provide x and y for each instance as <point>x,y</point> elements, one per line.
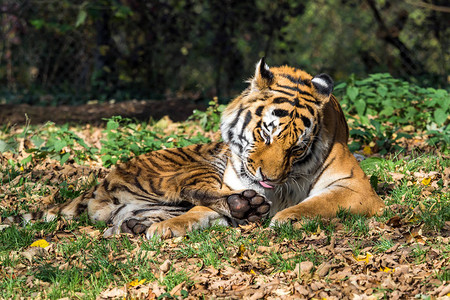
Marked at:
<point>380,107</point>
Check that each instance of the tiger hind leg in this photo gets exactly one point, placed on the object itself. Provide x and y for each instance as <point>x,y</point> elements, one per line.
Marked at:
<point>68,210</point>
<point>136,218</point>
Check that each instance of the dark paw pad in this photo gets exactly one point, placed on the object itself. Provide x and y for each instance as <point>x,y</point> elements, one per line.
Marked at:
<point>133,226</point>
<point>248,205</point>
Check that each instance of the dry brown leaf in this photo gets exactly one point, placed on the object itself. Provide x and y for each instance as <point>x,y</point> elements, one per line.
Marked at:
<point>395,221</point>
<point>112,293</point>
<point>165,266</point>
<point>323,269</point>
<point>32,252</point>
<point>91,231</point>
<point>176,291</point>
<point>396,176</point>
<point>305,268</point>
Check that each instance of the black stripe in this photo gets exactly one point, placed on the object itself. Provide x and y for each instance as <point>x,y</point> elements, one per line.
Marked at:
<point>320,174</point>
<point>345,187</point>
<point>198,147</point>
<point>152,161</point>
<point>279,100</point>
<point>230,136</point>
<point>248,118</point>
<point>138,211</point>
<point>292,79</point>
<point>170,159</point>
<point>154,189</point>
<point>310,109</point>
<point>283,92</point>
<point>115,200</point>
<point>296,89</point>
<point>118,210</point>
<point>343,178</point>
<point>120,187</point>
<point>305,93</point>
<point>238,115</point>
<point>214,150</point>
<point>330,147</point>
<point>306,121</point>
<point>312,101</point>
<point>297,80</point>
<point>259,110</point>
<point>139,185</point>
<point>280,113</point>
<point>182,154</point>
<point>292,88</point>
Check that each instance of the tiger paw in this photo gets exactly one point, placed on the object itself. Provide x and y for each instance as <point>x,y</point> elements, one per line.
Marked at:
<point>133,226</point>
<point>248,205</point>
<point>168,229</point>
<point>285,216</point>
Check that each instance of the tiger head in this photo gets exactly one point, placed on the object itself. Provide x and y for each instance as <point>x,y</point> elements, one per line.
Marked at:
<point>276,122</point>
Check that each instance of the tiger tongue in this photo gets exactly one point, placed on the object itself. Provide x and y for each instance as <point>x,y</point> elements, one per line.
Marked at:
<point>265,185</point>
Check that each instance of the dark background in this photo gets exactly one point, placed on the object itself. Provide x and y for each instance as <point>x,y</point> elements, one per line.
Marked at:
<point>58,52</point>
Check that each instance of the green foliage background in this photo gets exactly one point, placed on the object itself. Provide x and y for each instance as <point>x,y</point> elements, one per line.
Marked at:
<point>70,51</point>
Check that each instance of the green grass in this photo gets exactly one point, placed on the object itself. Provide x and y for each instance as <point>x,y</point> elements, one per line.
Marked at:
<point>383,244</point>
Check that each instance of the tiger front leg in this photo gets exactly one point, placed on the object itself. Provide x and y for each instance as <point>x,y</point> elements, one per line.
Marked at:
<point>329,202</point>
<point>199,217</point>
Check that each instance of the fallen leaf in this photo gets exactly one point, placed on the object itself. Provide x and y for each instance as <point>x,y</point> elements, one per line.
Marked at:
<point>176,291</point>
<point>426,181</point>
<point>40,243</point>
<point>30,253</point>
<point>445,291</point>
<point>305,269</point>
<point>3,226</point>
<point>366,258</point>
<point>367,150</point>
<point>395,221</point>
<point>396,176</point>
<point>113,293</point>
<point>387,270</point>
<point>137,282</point>
<point>323,269</point>
<point>91,231</point>
<point>165,266</point>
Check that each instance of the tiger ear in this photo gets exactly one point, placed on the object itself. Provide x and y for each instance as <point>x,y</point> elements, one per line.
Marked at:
<point>263,76</point>
<point>323,85</point>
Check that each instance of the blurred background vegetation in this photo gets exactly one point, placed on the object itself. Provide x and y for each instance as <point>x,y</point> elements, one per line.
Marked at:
<point>71,51</point>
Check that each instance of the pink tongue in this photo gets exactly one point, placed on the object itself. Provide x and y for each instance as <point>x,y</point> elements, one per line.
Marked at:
<point>265,185</point>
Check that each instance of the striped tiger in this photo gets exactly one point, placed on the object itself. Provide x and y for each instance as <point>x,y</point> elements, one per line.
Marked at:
<point>284,154</point>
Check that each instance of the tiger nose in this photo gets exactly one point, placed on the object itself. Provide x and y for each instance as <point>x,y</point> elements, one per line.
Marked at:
<point>265,178</point>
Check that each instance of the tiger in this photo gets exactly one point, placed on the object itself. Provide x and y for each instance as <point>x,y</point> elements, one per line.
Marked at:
<point>283,155</point>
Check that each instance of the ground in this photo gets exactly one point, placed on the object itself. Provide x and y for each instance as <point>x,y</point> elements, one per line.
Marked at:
<point>178,110</point>
<point>403,254</point>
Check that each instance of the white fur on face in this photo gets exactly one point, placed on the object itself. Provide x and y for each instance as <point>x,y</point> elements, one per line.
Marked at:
<point>272,128</point>
<point>239,135</point>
